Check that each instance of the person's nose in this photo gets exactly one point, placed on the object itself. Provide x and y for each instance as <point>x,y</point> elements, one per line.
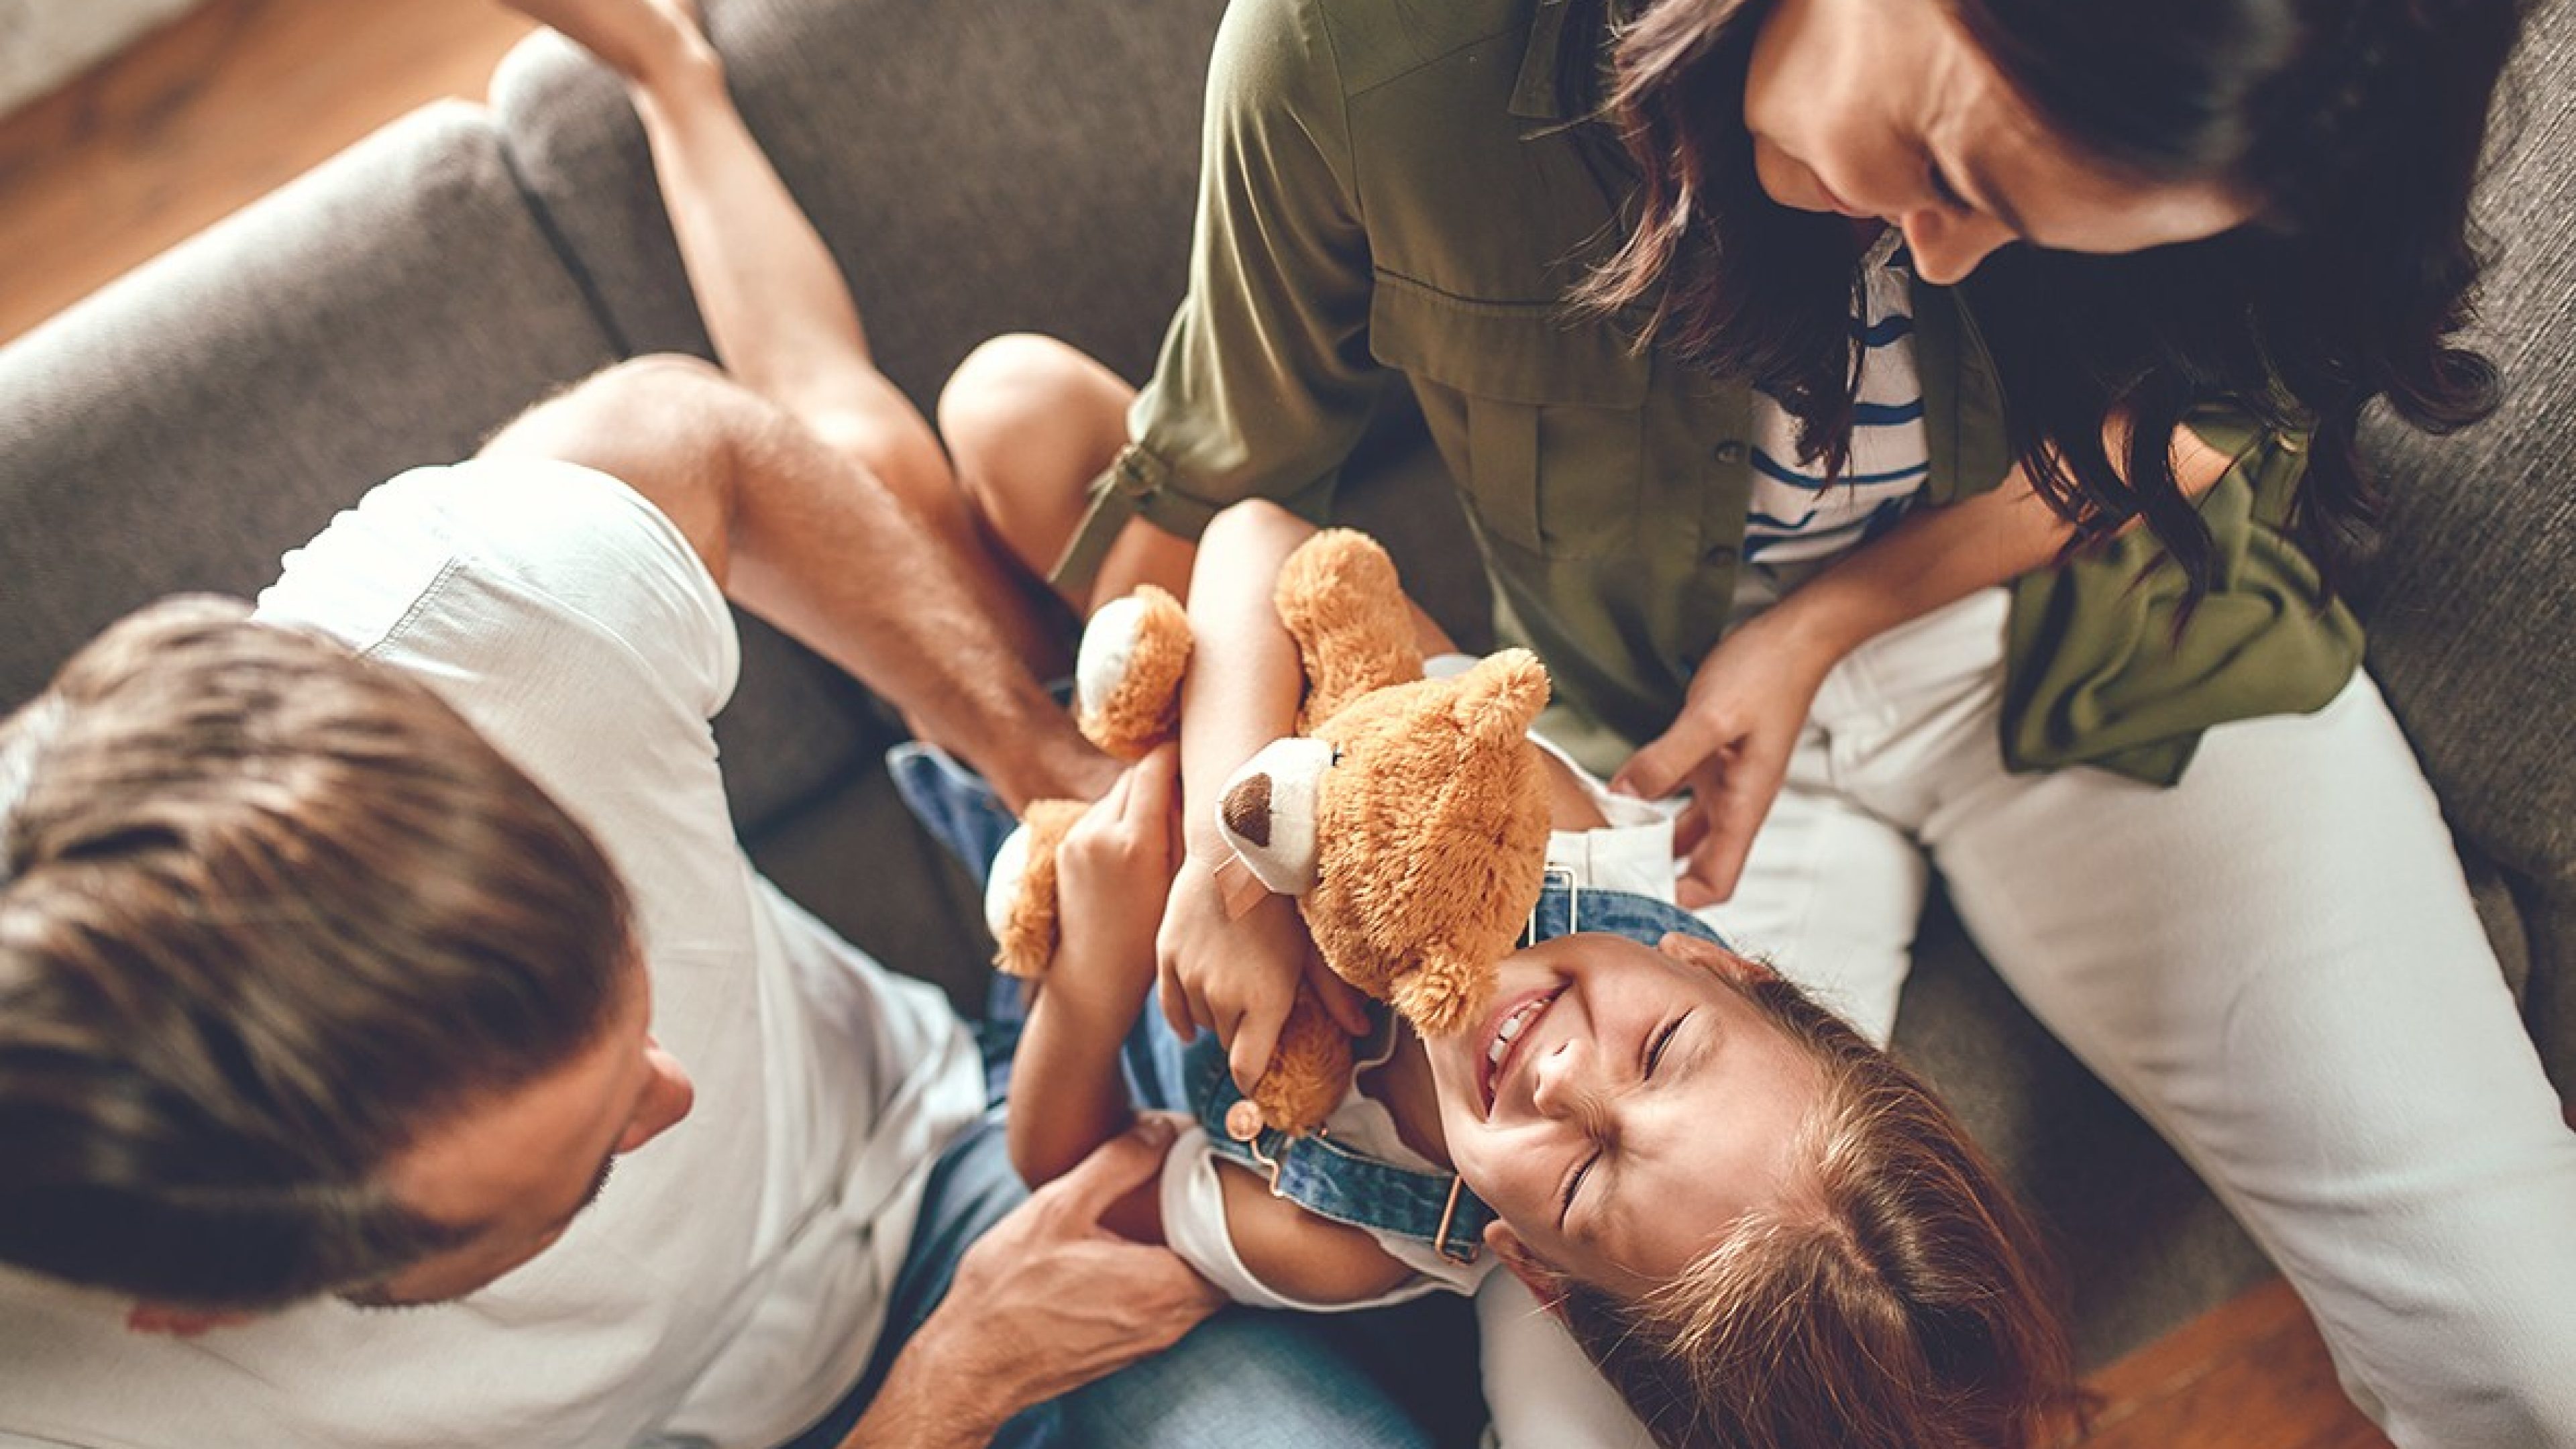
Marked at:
<point>1557,1083</point>
<point>668,1095</point>
<point>1947,247</point>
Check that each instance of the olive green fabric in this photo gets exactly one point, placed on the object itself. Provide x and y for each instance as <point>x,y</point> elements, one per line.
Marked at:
<point>1390,197</point>
<point>2107,669</point>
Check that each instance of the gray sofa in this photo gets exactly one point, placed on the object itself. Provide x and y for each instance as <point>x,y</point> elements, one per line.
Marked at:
<point>982,166</point>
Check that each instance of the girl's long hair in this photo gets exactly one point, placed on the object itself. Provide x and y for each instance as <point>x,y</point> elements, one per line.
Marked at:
<point>2359,125</point>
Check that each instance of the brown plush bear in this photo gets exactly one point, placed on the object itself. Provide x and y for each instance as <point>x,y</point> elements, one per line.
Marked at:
<point>1409,815</point>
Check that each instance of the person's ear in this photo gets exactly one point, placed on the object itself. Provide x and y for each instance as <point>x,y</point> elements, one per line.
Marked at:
<point>1698,951</point>
<point>172,1322</point>
<point>1544,1282</point>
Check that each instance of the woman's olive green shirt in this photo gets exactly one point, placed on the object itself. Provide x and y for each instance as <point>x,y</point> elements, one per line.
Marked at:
<point>1391,198</point>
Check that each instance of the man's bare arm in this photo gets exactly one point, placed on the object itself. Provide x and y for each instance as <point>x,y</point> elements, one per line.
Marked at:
<point>800,534</point>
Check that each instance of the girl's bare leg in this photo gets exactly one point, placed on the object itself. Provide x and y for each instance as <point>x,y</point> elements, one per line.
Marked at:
<point>1031,421</point>
<point>776,306</point>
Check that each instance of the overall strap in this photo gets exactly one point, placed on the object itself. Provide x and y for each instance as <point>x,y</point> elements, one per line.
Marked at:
<point>1332,1181</point>
<point>1564,908</point>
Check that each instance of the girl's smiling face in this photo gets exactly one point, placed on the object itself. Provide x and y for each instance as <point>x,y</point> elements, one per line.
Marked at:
<point>1621,1105</point>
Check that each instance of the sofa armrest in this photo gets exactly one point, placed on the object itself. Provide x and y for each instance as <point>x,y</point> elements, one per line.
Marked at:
<point>183,427</point>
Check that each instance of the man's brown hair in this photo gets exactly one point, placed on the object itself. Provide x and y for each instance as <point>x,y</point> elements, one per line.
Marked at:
<point>268,911</point>
<point>1897,1299</point>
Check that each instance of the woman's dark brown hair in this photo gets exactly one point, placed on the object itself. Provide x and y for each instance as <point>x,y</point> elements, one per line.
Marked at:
<point>1896,1298</point>
<point>2357,123</point>
<point>267,912</point>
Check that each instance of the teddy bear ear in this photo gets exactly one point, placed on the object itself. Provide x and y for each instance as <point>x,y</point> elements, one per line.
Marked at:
<point>1501,697</point>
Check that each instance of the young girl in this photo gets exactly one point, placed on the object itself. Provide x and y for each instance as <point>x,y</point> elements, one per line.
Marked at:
<point>1762,1230</point>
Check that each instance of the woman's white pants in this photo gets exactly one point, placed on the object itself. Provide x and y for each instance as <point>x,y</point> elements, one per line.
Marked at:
<point>2275,961</point>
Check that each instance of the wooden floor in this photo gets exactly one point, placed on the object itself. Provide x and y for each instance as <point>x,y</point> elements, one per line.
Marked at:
<point>242,95</point>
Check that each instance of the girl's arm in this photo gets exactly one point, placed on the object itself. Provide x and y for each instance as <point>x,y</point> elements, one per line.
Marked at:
<point>1730,745</point>
<point>1067,1096</point>
<point>1237,976</point>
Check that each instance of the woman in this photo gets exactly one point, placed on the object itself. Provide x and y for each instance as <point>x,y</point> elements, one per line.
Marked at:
<point>2105,265</point>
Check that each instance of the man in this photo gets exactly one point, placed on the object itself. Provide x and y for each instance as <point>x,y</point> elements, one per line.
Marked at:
<point>395,1046</point>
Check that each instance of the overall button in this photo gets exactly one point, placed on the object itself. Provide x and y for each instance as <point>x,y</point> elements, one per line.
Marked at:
<point>1729,452</point>
<point>1718,555</point>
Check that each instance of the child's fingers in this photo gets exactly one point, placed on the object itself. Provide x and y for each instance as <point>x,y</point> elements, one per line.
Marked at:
<point>1341,1000</point>
<point>1247,1053</point>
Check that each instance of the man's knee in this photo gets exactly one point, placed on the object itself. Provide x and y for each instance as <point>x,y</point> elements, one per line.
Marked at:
<point>658,377</point>
<point>667,425</point>
<point>610,402</point>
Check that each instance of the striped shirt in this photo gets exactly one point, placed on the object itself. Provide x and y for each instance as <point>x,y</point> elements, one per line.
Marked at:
<point>1795,514</point>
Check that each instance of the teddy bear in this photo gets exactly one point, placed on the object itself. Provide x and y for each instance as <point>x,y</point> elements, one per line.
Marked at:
<point>1408,815</point>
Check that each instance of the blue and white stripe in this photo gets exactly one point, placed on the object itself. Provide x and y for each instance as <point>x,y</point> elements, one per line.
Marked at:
<point>1795,515</point>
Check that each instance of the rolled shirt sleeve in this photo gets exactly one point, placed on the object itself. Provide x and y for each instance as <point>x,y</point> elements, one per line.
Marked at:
<point>1265,382</point>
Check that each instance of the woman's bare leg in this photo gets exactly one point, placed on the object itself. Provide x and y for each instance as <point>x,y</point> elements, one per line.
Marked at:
<point>776,306</point>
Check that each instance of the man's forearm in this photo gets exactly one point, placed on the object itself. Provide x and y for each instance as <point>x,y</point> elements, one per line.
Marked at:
<point>924,1404</point>
<point>837,561</point>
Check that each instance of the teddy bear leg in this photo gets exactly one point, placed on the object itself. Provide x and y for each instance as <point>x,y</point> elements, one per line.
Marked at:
<point>1020,894</point>
<point>1127,676</point>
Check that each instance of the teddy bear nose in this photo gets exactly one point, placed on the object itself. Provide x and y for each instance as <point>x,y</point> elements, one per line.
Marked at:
<point>1246,808</point>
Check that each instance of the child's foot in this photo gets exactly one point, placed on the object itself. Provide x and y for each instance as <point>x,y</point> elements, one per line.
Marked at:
<point>645,41</point>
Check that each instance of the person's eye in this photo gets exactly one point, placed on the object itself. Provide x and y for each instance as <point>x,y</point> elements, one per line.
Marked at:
<point>1941,187</point>
<point>1663,1039</point>
<point>1573,1185</point>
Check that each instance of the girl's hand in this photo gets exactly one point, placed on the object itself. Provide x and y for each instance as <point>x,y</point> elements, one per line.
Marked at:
<point>1113,873</point>
<point>1237,976</point>
<point>1730,748</point>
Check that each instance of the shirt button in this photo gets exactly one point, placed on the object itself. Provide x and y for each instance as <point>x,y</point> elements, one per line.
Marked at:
<point>1729,451</point>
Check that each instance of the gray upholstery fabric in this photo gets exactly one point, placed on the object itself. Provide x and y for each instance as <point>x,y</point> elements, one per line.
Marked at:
<point>977,166</point>
<point>2471,594</point>
<point>186,426</point>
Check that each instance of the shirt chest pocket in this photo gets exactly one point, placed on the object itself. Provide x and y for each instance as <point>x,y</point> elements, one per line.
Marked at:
<point>1539,414</point>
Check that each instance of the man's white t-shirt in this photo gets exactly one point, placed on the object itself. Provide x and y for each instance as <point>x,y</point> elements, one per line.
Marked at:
<point>730,1282</point>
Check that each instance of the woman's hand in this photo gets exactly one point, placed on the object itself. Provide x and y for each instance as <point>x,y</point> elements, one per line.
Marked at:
<point>1730,747</point>
<point>1237,976</point>
<point>1113,873</point>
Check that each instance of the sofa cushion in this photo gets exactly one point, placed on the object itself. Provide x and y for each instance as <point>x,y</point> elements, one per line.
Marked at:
<point>2471,588</point>
<point>183,427</point>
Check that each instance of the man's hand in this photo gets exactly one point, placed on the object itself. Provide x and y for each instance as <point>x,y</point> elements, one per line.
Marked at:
<point>1044,1303</point>
<point>1730,748</point>
<point>1237,976</point>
